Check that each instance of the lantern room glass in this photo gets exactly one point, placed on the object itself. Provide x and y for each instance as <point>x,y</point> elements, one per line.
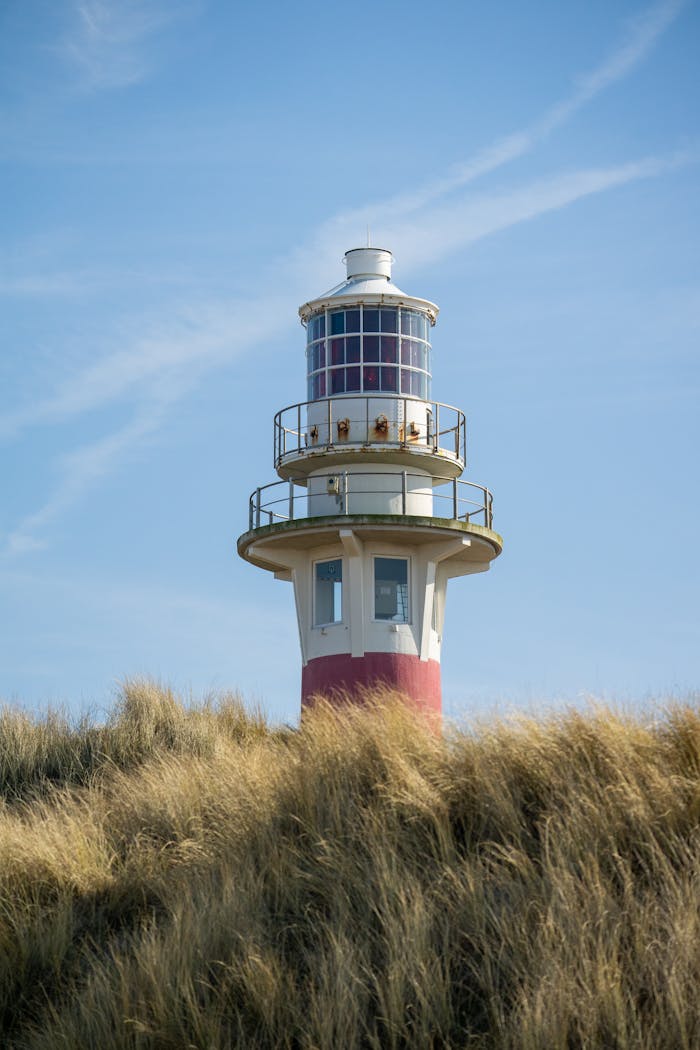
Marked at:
<point>373,349</point>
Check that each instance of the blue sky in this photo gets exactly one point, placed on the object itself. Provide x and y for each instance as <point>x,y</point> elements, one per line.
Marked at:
<point>179,176</point>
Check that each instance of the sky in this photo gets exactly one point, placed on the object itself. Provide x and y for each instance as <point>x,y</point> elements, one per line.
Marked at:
<point>178,176</point>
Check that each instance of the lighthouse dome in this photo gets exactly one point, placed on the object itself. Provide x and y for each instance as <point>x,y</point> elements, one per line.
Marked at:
<point>368,281</point>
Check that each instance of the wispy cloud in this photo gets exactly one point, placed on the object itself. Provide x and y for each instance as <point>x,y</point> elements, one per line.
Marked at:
<point>642,33</point>
<point>436,232</point>
<point>164,368</point>
<point>429,223</point>
<point>78,471</point>
<point>109,41</point>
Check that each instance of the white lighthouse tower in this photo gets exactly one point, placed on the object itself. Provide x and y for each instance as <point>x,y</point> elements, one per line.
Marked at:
<point>370,518</point>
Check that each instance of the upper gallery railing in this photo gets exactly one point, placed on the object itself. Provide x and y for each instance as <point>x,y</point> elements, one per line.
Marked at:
<point>369,421</point>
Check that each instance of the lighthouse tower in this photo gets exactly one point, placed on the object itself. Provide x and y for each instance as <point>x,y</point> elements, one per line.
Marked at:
<point>371,517</point>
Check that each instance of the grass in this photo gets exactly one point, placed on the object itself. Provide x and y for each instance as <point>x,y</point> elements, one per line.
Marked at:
<point>188,877</point>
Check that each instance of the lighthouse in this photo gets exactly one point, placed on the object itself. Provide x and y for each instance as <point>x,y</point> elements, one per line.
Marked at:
<point>370,516</point>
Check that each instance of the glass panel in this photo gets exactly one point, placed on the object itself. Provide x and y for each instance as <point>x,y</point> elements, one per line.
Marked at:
<point>310,388</point>
<point>389,378</point>
<point>322,385</point>
<point>370,347</point>
<point>328,591</point>
<point>417,325</point>
<point>337,352</point>
<point>321,355</point>
<point>389,348</point>
<point>391,589</point>
<point>388,320</point>
<point>352,378</point>
<point>405,322</point>
<point>370,378</point>
<point>423,356</point>
<point>338,381</point>
<point>352,320</point>
<point>370,320</point>
<point>418,385</point>
<point>405,351</point>
<point>405,381</point>
<point>337,322</point>
<point>352,349</point>
<point>317,327</point>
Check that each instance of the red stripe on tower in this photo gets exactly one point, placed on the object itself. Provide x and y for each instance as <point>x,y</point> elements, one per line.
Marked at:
<point>341,676</point>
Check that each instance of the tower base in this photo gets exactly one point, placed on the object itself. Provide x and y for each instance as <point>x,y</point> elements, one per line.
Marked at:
<point>333,676</point>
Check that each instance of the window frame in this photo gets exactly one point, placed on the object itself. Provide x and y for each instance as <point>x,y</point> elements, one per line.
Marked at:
<point>409,605</point>
<point>314,598</point>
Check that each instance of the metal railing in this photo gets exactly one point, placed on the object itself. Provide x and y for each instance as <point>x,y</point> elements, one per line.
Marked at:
<point>314,426</point>
<point>290,500</point>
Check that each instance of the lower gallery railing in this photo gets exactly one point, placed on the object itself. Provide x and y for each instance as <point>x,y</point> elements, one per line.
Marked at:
<point>354,492</point>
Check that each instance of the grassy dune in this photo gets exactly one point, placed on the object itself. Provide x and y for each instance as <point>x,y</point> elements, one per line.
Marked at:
<point>192,878</point>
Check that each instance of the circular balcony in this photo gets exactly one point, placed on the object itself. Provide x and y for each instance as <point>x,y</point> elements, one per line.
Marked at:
<point>402,506</point>
<point>378,426</point>
<point>359,493</point>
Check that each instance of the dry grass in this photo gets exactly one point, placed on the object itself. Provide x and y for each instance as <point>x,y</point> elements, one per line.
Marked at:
<point>190,878</point>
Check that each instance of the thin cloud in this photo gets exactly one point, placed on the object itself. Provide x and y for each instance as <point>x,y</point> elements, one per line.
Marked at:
<point>643,33</point>
<point>159,365</point>
<point>109,40</point>
<point>162,368</point>
<point>79,470</point>
<point>436,232</point>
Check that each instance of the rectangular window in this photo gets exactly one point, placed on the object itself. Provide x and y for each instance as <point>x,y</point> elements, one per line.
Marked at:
<point>388,320</point>
<point>328,592</point>
<point>352,320</point>
<point>370,348</point>
<point>391,589</point>
<point>370,378</point>
<point>352,349</point>
<point>352,378</point>
<point>370,320</point>
<point>389,349</point>
<point>337,352</point>
<point>389,376</point>
<point>337,322</point>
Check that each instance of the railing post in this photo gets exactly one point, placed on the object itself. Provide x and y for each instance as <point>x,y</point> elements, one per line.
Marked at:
<point>436,446</point>
<point>291,500</point>
<point>250,513</point>
<point>404,478</point>
<point>257,508</point>
<point>345,492</point>
<point>455,505</point>
<point>330,423</point>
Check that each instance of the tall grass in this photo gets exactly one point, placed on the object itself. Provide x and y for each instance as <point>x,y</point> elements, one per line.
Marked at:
<point>190,878</point>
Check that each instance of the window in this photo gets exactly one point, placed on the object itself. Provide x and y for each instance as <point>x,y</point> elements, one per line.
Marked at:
<point>328,592</point>
<point>368,348</point>
<point>391,589</point>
